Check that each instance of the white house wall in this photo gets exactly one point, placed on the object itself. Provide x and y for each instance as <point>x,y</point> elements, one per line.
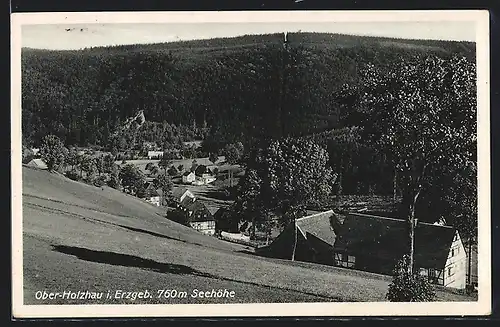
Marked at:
<point>205,227</point>
<point>455,272</point>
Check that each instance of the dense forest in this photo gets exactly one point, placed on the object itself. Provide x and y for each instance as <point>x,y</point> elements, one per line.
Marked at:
<point>244,89</point>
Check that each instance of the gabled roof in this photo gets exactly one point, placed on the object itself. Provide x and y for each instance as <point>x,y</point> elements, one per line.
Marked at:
<point>179,192</point>
<point>322,225</point>
<point>187,201</point>
<point>386,239</point>
<point>187,173</point>
<point>199,212</point>
<point>38,163</point>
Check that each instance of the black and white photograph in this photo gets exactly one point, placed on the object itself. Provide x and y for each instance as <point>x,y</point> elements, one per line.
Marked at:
<point>250,164</point>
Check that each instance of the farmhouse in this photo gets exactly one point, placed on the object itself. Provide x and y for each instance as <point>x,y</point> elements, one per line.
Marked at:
<point>37,163</point>
<point>375,244</point>
<point>180,193</point>
<point>203,175</point>
<point>188,177</point>
<point>196,215</point>
<point>315,234</point>
<point>152,195</point>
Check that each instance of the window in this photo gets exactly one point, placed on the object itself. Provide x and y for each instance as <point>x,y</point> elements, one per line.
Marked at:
<point>452,252</point>
<point>351,261</point>
<point>449,271</point>
<point>345,260</point>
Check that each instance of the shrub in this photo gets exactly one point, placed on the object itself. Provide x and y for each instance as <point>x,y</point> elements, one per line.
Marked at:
<point>100,181</point>
<point>71,174</point>
<point>409,287</point>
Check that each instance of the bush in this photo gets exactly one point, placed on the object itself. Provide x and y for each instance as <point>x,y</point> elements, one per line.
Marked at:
<point>71,174</point>
<point>100,181</point>
<point>409,287</point>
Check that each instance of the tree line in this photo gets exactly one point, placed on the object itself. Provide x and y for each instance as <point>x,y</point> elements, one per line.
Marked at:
<point>101,169</point>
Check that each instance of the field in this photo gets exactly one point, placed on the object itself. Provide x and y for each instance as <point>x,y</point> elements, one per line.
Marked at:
<point>77,237</point>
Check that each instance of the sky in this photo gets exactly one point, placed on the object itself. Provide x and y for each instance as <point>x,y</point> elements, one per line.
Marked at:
<point>78,36</point>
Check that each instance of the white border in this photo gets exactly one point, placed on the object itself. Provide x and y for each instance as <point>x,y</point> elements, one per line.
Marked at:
<point>481,307</point>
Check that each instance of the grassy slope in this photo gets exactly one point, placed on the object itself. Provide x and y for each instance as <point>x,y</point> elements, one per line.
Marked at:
<point>79,237</point>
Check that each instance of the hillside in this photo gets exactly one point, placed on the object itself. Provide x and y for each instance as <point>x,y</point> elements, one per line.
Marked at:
<point>231,84</point>
<point>79,237</point>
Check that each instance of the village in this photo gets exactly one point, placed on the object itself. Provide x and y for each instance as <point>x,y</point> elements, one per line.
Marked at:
<point>355,235</point>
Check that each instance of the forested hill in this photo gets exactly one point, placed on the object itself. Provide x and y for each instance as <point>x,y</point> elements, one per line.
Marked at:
<point>238,88</point>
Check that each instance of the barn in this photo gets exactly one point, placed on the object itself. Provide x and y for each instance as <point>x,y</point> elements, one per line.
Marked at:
<point>375,244</point>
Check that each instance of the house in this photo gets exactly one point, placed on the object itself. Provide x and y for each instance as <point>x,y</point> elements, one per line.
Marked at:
<point>203,175</point>
<point>180,193</point>
<point>35,151</point>
<point>200,218</point>
<point>37,163</point>
<point>152,195</point>
<point>193,144</point>
<point>375,244</point>
<point>316,235</point>
<point>188,177</point>
<point>155,154</point>
<point>196,215</point>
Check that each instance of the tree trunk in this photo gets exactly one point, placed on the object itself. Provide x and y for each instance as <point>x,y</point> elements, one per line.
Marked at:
<point>294,239</point>
<point>411,221</point>
<point>469,270</point>
<point>413,224</point>
<point>394,184</point>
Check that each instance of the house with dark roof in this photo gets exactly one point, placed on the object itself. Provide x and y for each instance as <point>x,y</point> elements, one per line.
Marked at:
<point>152,194</point>
<point>188,177</point>
<point>200,218</point>
<point>180,193</point>
<point>375,244</point>
<point>195,214</point>
<point>315,236</point>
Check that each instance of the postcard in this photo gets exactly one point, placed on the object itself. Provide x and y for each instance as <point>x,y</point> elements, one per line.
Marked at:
<point>260,163</point>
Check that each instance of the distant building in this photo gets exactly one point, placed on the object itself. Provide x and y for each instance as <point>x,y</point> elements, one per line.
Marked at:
<point>196,215</point>
<point>200,218</point>
<point>152,195</point>
<point>180,193</point>
<point>203,175</point>
<point>155,155</point>
<point>37,163</point>
<point>35,151</point>
<point>188,177</point>
<point>193,144</point>
<point>375,244</point>
<point>315,234</point>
